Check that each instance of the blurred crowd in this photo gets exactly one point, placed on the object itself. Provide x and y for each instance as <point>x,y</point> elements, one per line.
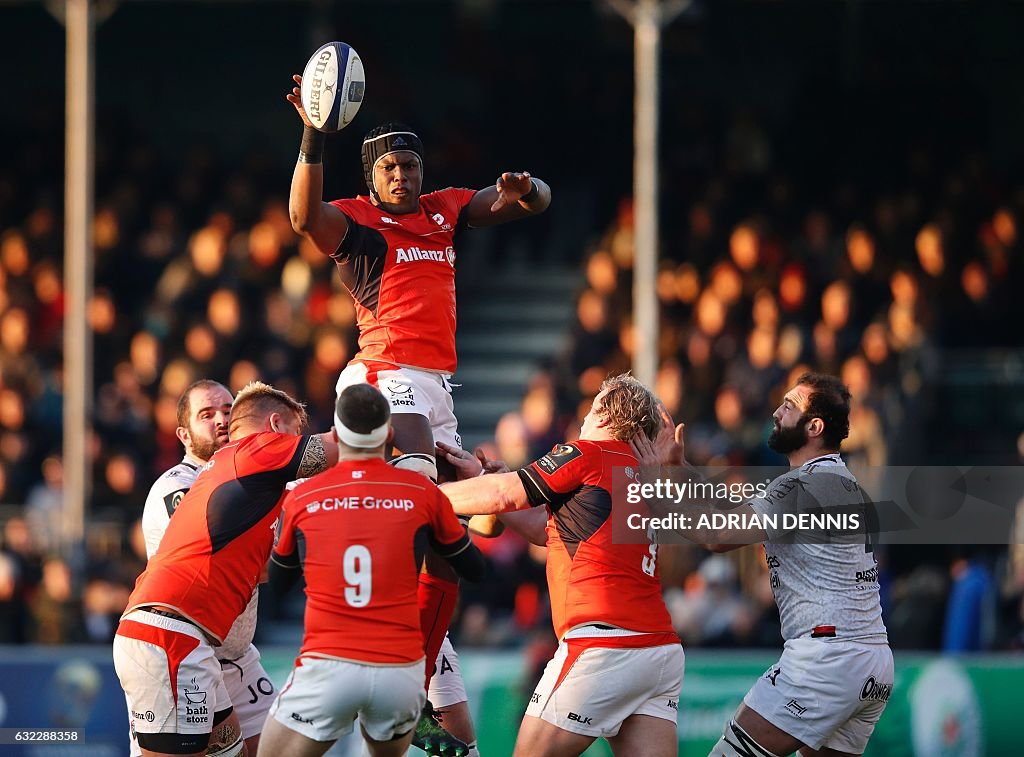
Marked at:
<point>198,274</point>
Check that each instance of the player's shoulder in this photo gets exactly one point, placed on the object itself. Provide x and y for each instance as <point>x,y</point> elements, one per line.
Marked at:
<point>169,489</point>
<point>447,193</point>
<point>571,455</point>
<point>177,477</point>
<point>358,208</point>
<point>448,198</point>
<point>258,440</point>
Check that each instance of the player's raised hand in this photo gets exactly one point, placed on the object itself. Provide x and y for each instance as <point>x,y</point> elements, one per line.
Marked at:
<point>644,451</point>
<point>491,466</point>
<point>295,98</point>
<point>466,465</point>
<point>669,444</point>
<point>511,186</point>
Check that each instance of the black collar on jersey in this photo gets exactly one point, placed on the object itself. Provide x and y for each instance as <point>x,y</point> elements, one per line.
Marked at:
<point>376,147</point>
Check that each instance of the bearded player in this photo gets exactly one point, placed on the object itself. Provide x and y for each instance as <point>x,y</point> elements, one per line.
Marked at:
<point>204,410</point>
<point>203,575</point>
<point>827,692</point>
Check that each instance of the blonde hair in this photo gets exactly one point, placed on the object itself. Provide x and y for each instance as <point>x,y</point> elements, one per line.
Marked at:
<point>258,400</point>
<point>629,407</point>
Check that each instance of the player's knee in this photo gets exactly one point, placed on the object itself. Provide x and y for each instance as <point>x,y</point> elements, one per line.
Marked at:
<point>419,462</point>
<point>736,742</point>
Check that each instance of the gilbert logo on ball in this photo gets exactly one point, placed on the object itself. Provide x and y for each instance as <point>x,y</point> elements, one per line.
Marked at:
<point>333,84</point>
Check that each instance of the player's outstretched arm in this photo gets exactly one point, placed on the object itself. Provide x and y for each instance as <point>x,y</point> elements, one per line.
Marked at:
<point>514,195</point>
<point>530,524</point>
<point>320,222</point>
<point>485,495</point>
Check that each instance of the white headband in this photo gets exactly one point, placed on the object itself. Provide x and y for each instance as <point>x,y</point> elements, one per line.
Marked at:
<point>351,438</point>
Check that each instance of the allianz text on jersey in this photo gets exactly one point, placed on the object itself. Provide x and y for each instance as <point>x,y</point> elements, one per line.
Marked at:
<point>413,254</point>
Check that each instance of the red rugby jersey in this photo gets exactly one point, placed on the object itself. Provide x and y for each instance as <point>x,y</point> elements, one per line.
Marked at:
<point>400,270</point>
<point>217,544</point>
<point>591,580</point>
<point>359,531</point>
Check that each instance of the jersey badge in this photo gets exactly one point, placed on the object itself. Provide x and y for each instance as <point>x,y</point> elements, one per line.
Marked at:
<point>558,457</point>
<point>172,500</point>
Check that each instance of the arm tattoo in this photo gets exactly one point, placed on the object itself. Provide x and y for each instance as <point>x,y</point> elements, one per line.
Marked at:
<point>314,458</point>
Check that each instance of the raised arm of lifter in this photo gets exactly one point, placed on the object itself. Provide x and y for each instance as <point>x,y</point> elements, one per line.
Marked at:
<point>320,222</point>
<point>514,195</point>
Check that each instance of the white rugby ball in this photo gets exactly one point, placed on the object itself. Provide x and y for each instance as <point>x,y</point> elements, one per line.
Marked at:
<point>333,84</point>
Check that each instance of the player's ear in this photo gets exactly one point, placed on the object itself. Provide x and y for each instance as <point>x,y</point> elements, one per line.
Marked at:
<point>273,422</point>
<point>183,435</point>
<point>391,434</point>
<point>815,427</point>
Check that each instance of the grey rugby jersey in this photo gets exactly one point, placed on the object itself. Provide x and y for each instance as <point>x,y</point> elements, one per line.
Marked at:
<point>824,577</point>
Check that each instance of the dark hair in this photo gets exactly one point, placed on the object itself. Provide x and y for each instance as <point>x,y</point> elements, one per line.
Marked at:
<point>362,408</point>
<point>830,401</point>
<point>185,400</point>
<point>389,137</point>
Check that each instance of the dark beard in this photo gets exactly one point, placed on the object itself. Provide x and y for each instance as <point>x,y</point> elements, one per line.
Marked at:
<point>787,440</point>
<point>204,448</point>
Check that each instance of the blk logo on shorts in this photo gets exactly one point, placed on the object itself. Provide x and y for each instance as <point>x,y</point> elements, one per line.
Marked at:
<point>299,719</point>
<point>580,719</point>
<point>535,698</point>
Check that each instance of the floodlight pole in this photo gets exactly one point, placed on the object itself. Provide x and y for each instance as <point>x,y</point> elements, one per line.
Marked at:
<point>78,268</point>
<point>647,18</point>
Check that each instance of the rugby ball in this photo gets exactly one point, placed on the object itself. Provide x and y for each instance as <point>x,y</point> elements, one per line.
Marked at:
<point>332,87</point>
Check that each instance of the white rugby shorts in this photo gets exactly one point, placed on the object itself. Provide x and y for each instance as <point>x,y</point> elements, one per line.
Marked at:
<point>446,684</point>
<point>411,390</point>
<point>250,690</point>
<point>591,690</point>
<point>322,698</point>
<point>826,693</point>
<point>169,674</point>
